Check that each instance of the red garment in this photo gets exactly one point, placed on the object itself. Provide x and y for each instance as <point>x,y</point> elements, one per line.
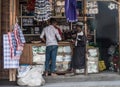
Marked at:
<point>60,32</point>
<point>31,5</point>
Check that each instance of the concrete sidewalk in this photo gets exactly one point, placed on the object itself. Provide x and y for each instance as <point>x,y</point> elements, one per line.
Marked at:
<point>106,79</point>
<point>85,84</point>
<point>91,80</point>
<point>80,84</point>
<point>111,76</point>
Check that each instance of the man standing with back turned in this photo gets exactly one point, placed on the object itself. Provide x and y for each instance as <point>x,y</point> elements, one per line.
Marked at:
<point>51,35</point>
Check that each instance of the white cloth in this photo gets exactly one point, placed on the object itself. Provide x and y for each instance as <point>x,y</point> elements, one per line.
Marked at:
<point>51,34</point>
<point>81,34</point>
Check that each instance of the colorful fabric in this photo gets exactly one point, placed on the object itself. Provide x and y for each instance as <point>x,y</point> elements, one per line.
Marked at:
<point>16,53</point>
<point>42,10</point>
<point>19,37</point>
<point>70,10</point>
<point>20,33</point>
<point>8,61</point>
<point>13,43</point>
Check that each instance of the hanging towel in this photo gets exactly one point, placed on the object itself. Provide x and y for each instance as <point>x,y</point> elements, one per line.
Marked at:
<point>70,10</point>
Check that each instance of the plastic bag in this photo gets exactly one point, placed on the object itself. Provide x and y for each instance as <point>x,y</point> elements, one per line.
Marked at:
<point>23,70</point>
<point>33,77</point>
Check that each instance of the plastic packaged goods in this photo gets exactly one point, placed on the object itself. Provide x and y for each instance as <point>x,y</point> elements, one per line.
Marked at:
<point>33,77</point>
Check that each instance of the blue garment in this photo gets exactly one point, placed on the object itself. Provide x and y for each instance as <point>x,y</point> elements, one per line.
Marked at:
<point>51,53</point>
<point>70,10</point>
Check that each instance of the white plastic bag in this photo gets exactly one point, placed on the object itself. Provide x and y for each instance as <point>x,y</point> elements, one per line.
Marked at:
<point>23,70</point>
<point>33,77</point>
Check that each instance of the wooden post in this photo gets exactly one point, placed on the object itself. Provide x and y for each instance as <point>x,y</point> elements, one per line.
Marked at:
<point>0,37</point>
<point>13,3</point>
<point>119,31</point>
<point>85,30</point>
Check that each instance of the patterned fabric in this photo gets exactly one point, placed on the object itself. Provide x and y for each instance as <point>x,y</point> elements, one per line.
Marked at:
<point>19,37</point>
<point>8,61</point>
<point>42,10</point>
<point>16,52</point>
<point>13,43</point>
<point>70,10</point>
<point>20,34</point>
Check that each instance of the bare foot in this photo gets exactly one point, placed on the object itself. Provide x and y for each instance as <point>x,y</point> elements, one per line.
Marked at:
<point>46,73</point>
<point>53,74</point>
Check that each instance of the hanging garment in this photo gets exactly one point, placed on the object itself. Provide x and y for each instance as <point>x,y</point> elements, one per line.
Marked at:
<point>18,40</point>
<point>10,44</point>
<point>20,34</point>
<point>8,61</point>
<point>19,37</point>
<point>31,5</point>
<point>42,10</point>
<point>13,43</point>
<point>70,10</point>
<point>16,53</point>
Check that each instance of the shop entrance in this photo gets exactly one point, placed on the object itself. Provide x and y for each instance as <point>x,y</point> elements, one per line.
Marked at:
<point>107,33</point>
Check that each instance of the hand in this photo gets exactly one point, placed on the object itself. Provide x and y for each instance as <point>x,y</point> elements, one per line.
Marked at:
<point>73,41</point>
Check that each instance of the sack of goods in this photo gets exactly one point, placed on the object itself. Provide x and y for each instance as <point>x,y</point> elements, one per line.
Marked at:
<point>30,75</point>
<point>102,65</point>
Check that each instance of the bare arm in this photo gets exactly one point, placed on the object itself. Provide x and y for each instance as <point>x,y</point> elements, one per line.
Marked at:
<point>42,36</point>
<point>57,34</point>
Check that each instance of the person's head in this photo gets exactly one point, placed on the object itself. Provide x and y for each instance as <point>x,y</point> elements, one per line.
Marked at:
<point>79,28</point>
<point>53,21</point>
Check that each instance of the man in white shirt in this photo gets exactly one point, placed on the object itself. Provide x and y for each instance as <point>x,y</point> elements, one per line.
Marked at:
<point>51,34</point>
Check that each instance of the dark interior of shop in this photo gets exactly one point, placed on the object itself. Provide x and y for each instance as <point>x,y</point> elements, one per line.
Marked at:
<point>107,30</point>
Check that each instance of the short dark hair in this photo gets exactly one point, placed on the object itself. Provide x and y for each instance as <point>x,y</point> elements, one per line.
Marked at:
<point>52,21</point>
<point>79,26</point>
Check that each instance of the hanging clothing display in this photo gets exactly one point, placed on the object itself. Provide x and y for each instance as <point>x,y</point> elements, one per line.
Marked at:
<point>70,10</point>
<point>8,61</point>
<point>13,43</point>
<point>42,10</point>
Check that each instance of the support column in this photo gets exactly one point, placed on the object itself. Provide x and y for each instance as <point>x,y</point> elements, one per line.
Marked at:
<point>119,31</point>
<point>85,30</point>
<point>13,12</point>
<point>0,38</point>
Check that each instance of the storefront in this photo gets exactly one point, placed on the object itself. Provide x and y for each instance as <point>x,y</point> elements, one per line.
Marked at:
<point>22,11</point>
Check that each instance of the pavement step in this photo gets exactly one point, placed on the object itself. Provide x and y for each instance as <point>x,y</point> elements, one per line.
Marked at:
<point>85,84</point>
<point>83,78</point>
<point>91,80</point>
